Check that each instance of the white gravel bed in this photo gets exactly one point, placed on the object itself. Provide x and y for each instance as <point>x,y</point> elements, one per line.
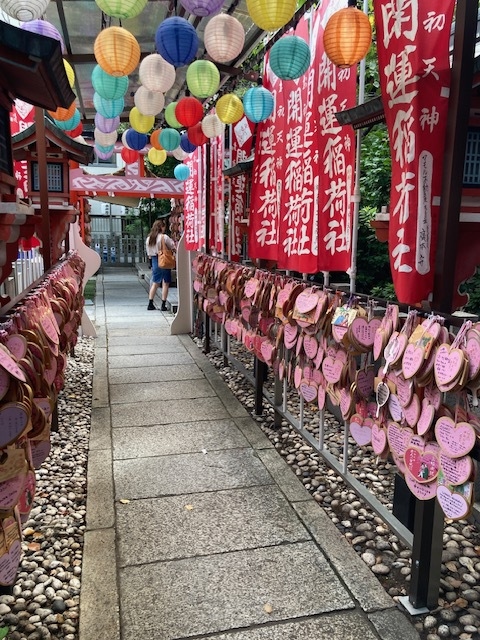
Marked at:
<point>44,603</point>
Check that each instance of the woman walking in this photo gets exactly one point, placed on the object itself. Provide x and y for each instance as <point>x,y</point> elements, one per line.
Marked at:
<point>162,276</point>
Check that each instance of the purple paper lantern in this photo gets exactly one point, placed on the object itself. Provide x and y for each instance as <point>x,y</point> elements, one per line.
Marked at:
<point>44,28</point>
<point>202,7</point>
<point>186,145</point>
<point>176,41</point>
<point>102,155</point>
<point>106,125</point>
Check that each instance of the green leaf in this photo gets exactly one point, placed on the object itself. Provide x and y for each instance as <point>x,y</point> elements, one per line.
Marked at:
<point>3,632</point>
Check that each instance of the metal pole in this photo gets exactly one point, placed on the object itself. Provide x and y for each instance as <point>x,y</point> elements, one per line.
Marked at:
<point>43,184</point>
<point>207,235</point>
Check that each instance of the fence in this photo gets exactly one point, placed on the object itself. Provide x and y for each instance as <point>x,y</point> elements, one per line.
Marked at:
<point>26,269</point>
<point>120,251</point>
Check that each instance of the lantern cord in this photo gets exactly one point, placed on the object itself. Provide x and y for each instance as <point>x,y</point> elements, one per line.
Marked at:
<point>232,7</point>
<point>352,3</point>
<point>104,21</point>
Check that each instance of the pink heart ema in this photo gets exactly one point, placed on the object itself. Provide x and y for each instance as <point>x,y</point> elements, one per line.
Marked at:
<point>454,505</point>
<point>362,434</point>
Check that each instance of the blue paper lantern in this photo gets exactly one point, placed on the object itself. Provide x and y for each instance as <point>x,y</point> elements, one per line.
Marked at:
<point>290,57</point>
<point>108,108</point>
<point>258,104</point>
<point>181,172</point>
<point>107,86</point>
<point>177,41</point>
<point>186,145</point>
<point>170,139</point>
<point>135,140</point>
<point>71,123</point>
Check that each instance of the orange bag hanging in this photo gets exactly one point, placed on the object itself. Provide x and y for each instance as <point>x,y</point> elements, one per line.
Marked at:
<point>166,259</point>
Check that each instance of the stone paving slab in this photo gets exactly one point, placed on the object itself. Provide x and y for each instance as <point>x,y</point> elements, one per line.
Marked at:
<point>131,345</point>
<point>154,374</point>
<point>139,414</point>
<point>253,433</point>
<point>181,437</point>
<point>216,593</point>
<point>140,361</point>
<point>168,391</point>
<point>188,473</point>
<point>205,523</point>
<point>348,625</point>
<point>123,330</point>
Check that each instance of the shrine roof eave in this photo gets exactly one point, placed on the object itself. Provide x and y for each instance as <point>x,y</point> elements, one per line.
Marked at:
<point>81,153</point>
<point>241,167</point>
<point>363,115</point>
<point>32,68</point>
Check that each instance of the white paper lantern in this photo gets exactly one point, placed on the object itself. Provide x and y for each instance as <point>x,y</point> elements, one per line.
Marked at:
<point>179,154</point>
<point>224,38</point>
<point>124,139</point>
<point>156,74</point>
<point>105,139</point>
<point>25,10</point>
<point>212,126</point>
<point>150,103</point>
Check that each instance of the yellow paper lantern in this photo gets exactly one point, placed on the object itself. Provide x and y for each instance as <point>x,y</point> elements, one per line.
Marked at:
<point>347,36</point>
<point>271,15</point>
<point>70,73</point>
<point>116,51</point>
<point>140,122</point>
<point>229,108</point>
<point>157,156</point>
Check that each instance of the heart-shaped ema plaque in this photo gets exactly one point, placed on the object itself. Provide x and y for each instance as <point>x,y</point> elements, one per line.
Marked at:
<point>332,369</point>
<point>421,490</point>
<point>306,301</point>
<point>456,440</point>
<point>14,420</point>
<point>425,420</point>
<point>308,390</point>
<point>363,332</point>
<point>412,360</point>
<point>379,439</point>
<point>290,334</point>
<point>455,470</point>
<point>456,502</point>
<point>364,380</point>
<point>398,438</point>
<point>9,562</point>
<point>361,429</point>
<point>422,465</point>
<point>449,364</point>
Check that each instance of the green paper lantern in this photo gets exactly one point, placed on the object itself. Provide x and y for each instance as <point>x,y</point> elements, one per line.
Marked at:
<point>107,86</point>
<point>203,78</point>
<point>170,117</point>
<point>169,139</point>
<point>122,8</point>
<point>290,57</point>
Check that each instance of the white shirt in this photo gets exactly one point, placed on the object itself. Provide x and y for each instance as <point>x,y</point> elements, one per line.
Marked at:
<point>153,250</point>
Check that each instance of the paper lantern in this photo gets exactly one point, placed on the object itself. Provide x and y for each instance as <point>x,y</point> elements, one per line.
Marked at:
<point>196,135</point>
<point>107,86</point>
<point>271,15</point>
<point>203,78</point>
<point>186,144</point>
<point>74,133</point>
<point>44,28</point>
<point>124,139</point>
<point>202,7</point>
<point>224,38</point>
<point>177,41</point>
<point>105,139</point>
<point>135,140</point>
<point>170,118</point>
<point>129,156</point>
<point>101,155</point>
<point>108,108</point>
<point>70,73</point>
<point>150,103</point>
<point>156,74</point>
<point>155,139</point>
<point>25,10</point>
<point>116,51</point>
<point>258,104</point>
<point>68,125</point>
<point>105,149</point>
<point>229,108</point>
<point>157,156</point>
<point>347,36</point>
<point>179,154</point>
<point>189,111</point>
<point>169,139</point>
<point>212,126</point>
<point>140,122</point>
<point>107,125</point>
<point>63,114</point>
<point>181,172</point>
<point>122,8</point>
<point>290,57</point>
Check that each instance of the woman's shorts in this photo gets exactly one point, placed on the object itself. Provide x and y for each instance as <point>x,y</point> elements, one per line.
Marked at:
<point>160,275</point>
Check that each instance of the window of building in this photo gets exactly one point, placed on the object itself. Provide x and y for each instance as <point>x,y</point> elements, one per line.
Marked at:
<point>54,177</point>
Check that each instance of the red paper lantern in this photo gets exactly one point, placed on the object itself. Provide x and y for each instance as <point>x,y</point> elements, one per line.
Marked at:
<point>195,135</point>
<point>189,111</point>
<point>129,155</point>
<point>75,132</point>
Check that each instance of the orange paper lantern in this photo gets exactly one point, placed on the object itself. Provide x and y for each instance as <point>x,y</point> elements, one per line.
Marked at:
<point>116,51</point>
<point>155,139</point>
<point>347,36</point>
<point>63,114</point>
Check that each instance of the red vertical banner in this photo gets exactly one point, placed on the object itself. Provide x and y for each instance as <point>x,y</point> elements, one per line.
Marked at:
<point>413,55</point>
<point>216,181</point>
<point>334,91</point>
<point>297,248</point>
<point>192,203</point>
<point>240,149</point>
<point>22,116</point>
<point>266,194</point>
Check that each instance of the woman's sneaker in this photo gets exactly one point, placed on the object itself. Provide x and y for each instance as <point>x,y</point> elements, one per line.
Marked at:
<point>151,306</point>
<point>164,306</point>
